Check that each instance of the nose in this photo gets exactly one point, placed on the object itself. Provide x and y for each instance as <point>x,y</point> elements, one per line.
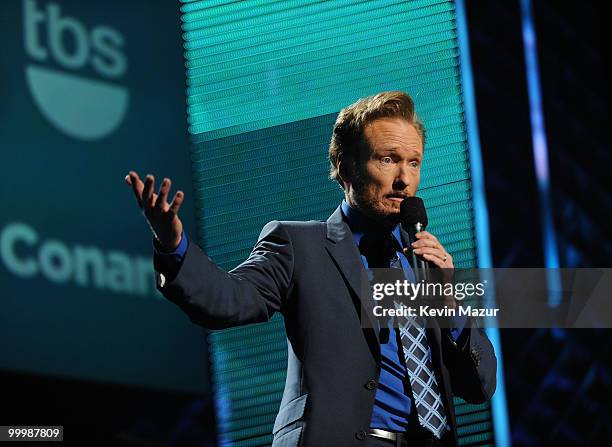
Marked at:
<point>403,178</point>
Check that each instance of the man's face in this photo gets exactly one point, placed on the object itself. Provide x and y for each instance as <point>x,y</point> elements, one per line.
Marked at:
<point>389,171</point>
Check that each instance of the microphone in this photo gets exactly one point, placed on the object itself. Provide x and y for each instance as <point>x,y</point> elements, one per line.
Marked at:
<point>414,219</point>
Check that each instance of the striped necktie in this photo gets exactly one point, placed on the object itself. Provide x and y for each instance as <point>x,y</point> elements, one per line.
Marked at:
<point>417,354</point>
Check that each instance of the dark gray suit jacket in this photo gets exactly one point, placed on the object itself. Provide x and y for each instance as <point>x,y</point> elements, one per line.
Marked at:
<point>312,273</point>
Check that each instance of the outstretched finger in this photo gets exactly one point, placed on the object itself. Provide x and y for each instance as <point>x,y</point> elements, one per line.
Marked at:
<point>423,242</point>
<point>162,196</point>
<point>426,235</point>
<point>148,194</point>
<point>134,181</point>
<point>177,201</point>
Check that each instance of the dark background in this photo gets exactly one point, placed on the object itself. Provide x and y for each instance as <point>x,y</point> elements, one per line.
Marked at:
<point>557,381</point>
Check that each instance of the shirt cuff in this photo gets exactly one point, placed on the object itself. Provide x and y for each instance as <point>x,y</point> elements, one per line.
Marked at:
<point>169,263</point>
<point>180,250</point>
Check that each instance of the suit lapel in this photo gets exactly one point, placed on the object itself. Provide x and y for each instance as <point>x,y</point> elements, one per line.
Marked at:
<point>341,246</point>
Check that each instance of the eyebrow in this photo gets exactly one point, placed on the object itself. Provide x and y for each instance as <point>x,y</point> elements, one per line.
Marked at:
<point>395,149</point>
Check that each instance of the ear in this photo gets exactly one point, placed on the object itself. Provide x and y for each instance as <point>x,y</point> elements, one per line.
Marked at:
<point>344,174</point>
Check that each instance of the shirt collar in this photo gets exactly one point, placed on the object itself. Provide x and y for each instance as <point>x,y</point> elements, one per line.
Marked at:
<point>361,224</point>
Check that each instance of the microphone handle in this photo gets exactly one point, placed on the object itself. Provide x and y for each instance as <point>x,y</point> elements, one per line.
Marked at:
<point>421,266</point>
<point>421,272</point>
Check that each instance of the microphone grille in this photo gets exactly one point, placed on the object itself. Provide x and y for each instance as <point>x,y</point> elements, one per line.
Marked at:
<point>412,210</point>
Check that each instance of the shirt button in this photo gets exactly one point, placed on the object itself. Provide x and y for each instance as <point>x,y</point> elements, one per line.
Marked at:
<point>361,435</point>
<point>370,384</point>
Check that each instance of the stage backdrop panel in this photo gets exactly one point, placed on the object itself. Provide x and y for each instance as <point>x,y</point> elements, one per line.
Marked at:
<point>265,83</point>
<point>90,90</point>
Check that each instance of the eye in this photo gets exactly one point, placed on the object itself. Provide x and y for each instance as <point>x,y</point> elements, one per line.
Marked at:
<point>386,160</point>
<point>414,164</point>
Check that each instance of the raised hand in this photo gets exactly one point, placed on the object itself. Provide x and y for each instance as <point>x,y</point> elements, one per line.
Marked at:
<point>161,216</point>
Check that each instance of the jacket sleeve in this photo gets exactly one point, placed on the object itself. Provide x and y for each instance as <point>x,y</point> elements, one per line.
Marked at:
<point>250,293</point>
<point>471,363</point>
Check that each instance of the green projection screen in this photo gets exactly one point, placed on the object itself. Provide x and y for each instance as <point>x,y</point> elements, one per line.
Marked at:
<point>266,80</point>
<point>90,90</point>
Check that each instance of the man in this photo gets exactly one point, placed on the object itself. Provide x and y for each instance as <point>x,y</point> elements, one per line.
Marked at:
<point>347,385</point>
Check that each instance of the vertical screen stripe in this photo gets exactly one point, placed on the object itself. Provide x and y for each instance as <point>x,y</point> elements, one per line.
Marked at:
<point>540,153</point>
<point>500,412</point>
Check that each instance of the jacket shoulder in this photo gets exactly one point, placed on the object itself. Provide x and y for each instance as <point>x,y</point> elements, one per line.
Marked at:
<point>293,229</point>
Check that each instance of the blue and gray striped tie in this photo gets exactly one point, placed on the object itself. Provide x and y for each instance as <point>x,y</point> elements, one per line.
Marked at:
<point>417,354</point>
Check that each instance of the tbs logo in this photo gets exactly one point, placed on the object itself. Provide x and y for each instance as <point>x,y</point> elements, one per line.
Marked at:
<point>81,107</point>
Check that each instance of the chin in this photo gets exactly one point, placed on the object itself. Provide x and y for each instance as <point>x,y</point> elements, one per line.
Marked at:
<point>387,214</point>
<point>393,208</point>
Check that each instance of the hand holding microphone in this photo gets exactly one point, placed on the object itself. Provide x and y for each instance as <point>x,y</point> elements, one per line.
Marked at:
<point>426,248</point>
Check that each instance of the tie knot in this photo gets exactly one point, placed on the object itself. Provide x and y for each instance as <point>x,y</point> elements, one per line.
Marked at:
<point>378,248</point>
